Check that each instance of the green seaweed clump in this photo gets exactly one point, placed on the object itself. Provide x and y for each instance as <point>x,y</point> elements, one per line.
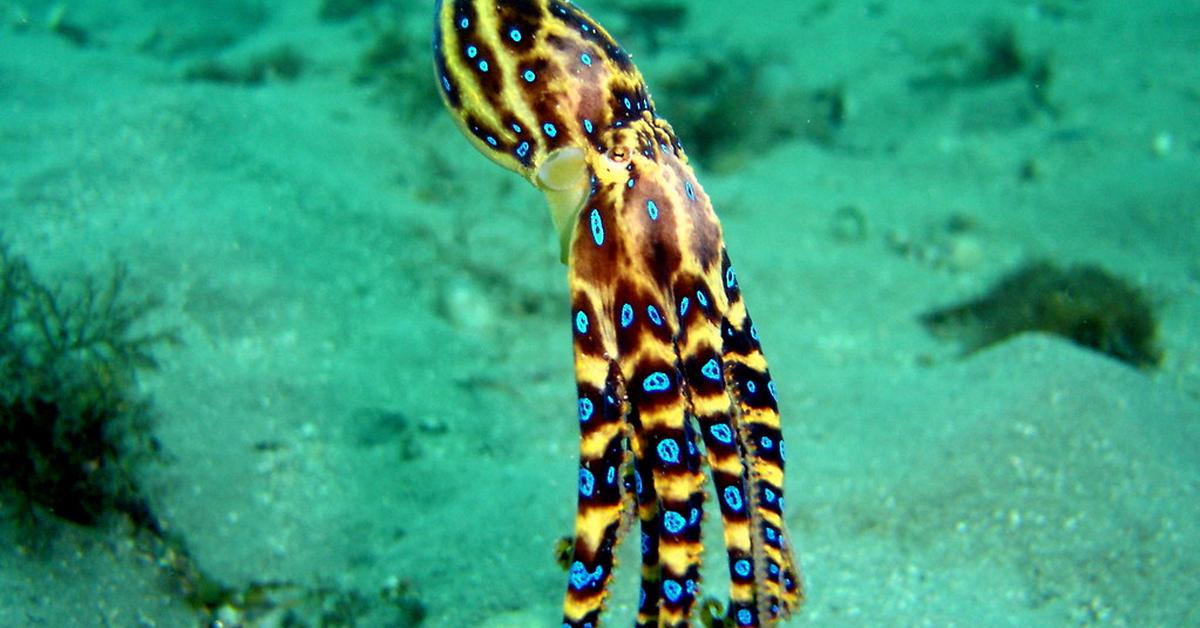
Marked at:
<point>72,427</point>
<point>1084,304</point>
<point>713,614</point>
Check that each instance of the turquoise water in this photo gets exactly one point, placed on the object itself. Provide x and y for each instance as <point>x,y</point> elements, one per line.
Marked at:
<point>371,418</point>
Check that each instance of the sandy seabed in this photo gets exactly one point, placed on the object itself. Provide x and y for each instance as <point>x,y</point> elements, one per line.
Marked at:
<point>376,384</point>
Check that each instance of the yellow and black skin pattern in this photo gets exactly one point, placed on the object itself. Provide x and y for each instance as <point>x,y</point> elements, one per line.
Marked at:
<point>670,375</point>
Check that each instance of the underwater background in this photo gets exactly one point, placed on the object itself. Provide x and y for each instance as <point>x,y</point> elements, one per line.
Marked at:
<point>279,347</point>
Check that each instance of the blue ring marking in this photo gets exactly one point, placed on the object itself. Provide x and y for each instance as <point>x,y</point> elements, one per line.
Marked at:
<point>463,23</point>
<point>584,28</point>
<point>652,209</point>
<point>645,544</point>
<point>774,569</point>
<point>587,125</point>
<point>483,65</point>
<point>744,617</point>
<point>753,331</point>
<point>654,315</point>
<point>730,277</point>
<point>586,59</point>
<point>641,601</point>
<point>668,450</point>
<point>628,105</point>
<point>529,76</point>
<point>637,482</point>
<point>586,408</point>
<point>445,83</point>
<point>656,382</point>
<point>579,576</point>
<point>701,298</point>
<point>721,432</point>
<point>597,227</point>
<point>733,497</point>
<point>751,387</point>
<point>523,149</point>
<point>491,140</point>
<point>782,454</point>
<point>781,504</point>
<point>612,475</point>
<point>683,306</point>
<point>689,190</point>
<point>673,522</point>
<point>472,52</point>
<point>550,129</point>
<point>516,127</point>
<point>514,34</point>
<point>694,516</point>
<point>629,183</point>
<point>581,322</point>
<point>690,585</point>
<point>587,482</point>
<point>771,389</point>
<point>626,315</point>
<point>768,495</point>
<point>766,442</point>
<point>769,532</point>
<point>742,568</point>
<point>711,370</point>
<point>672,590</point>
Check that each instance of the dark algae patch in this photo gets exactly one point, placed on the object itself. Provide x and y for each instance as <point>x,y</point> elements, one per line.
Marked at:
<point>282,63</point>
<point>75,437</point>
<point>343,10</point>
<point>396,67</point>
<point>73,430</point>
<point>1084,304</point>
